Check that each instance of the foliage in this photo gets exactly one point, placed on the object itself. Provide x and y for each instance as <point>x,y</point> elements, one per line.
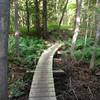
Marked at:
<point>52,27</point>
<point>16,88</point>
<point>81,42</point>
<point>82,50</point>
<point>30,50</point>
<point>23,30</point>
<point>31,47</point>
<point>98,53</point>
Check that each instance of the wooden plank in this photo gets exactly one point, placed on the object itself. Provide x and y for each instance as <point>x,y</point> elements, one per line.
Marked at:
<point>43,75</point>
<point>42,85</point>
<point>55,71</point>
<point>42,94</point>
<point>43,98</point>
<point>44,89</point>
<point>43,79</point>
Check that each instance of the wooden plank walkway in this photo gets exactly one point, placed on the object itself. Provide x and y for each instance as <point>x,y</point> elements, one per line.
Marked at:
<point>42,87</point>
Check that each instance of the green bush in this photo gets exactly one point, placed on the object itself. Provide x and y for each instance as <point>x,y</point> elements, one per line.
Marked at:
<point>81,50</point>
<point>30,49</point>
<point>52,27</point>
<point>17,88</point>
<point>23,30</point>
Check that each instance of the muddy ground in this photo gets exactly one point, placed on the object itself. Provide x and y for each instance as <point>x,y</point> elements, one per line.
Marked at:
<point>79,83</point>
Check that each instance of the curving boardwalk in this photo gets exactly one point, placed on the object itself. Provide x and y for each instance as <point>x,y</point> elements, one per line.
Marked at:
<point>42,87</point>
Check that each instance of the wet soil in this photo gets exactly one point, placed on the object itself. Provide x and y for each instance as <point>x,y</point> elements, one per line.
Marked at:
<point>80,83</point>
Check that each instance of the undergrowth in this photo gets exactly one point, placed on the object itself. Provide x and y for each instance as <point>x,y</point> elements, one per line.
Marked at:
<point>30,49</point>
<point>83,52</point>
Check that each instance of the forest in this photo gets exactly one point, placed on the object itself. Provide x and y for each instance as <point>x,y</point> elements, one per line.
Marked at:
<point>29,27</point>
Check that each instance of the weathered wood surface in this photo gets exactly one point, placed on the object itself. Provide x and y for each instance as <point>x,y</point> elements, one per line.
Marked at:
<point>42,87</point>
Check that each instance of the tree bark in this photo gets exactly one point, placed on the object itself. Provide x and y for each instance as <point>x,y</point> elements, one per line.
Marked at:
<point>88,19</point>
<point>28,16</point>
<point>37,17</point>
<point>44,17</point>
<point>57,10</point>
<point>64,9</point>
<point>4,29</point>
<point>16,27</point>
<point>77,26</point>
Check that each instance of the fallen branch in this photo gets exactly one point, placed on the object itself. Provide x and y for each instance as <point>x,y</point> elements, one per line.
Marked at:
<point>90,92</point>
<point>70,85</point>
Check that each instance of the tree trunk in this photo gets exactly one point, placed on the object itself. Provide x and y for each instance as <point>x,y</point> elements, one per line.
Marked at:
<point>92,62</point>
<point>87,28</point>
<point>16,27</point>
<point>45,17</point>
<point>28,16</point>
<point>86,20</point>
<point>64,9</point>
<point>57,10</point>
<point>4,29</point>
<point>37,17</point>
<point>77,26</point>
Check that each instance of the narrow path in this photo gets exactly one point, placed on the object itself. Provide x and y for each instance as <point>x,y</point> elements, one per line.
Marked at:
<point>42,87</point>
